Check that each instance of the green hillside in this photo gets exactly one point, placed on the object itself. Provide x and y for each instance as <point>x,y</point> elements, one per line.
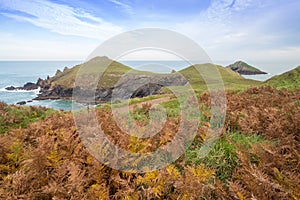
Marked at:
<point>231,79</point>
<point>289,80</point>
<point>90,69</point>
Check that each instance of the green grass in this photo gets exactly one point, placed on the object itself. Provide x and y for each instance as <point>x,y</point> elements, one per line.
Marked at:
<point>121,103</point>
<point>20,116</point>
<point>145,99</point>
<point>91,70</point>
<point>172,107</point>
<point>289,80</point>
<point>231,80</point>
<point>223,156</point>
<point>140,115</point>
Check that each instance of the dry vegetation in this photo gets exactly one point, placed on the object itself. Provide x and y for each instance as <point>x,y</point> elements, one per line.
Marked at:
<point>256,158</point>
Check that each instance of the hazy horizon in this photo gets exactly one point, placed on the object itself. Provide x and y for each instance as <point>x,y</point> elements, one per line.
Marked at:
<point>269,68</point>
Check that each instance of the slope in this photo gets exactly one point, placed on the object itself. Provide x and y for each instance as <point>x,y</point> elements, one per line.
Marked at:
<point>289,80</point>
<point>231,79</point>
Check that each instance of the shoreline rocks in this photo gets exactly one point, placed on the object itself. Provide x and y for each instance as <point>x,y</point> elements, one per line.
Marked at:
<point>21,103</point>
<point>28,86</point>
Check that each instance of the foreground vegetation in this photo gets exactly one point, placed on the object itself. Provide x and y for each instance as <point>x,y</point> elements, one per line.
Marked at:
<point>257,156</point>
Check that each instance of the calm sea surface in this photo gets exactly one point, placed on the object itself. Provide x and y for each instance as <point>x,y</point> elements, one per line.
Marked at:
<point>17,73</point>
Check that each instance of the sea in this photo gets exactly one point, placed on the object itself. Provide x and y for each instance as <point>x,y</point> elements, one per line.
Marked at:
<point>17,73</point>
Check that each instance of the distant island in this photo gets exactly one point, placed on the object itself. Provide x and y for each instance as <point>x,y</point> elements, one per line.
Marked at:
<point>244,68</point>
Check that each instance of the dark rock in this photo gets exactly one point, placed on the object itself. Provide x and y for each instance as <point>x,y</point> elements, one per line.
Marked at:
<point>21,103</point>
<point>44,84</point>
<point>29,101</point>
<point>138,85</point>
<point>245,72</point>
<point>146,90</point>
<point>11,88</point>
<point>58,72</point>
<point>29,86</point>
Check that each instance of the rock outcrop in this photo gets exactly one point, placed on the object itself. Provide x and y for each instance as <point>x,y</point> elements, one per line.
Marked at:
<point>117,81</point>
<point>27,86</point>
<point>21,103</point>
<point>129,86</point>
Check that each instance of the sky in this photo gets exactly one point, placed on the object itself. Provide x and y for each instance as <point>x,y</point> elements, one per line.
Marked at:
<point>263,33</point>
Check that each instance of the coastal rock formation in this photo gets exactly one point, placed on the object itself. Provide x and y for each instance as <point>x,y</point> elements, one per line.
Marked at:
<point>130,86</point>
<point>21,103</point>
<point>135,85</point>
<point>11,88</point>
<point>244,69</point>
<point>117,81</point>
<point>27,86</point>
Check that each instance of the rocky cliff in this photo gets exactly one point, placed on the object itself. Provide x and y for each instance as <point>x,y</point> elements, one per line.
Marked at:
<point>117,81</point>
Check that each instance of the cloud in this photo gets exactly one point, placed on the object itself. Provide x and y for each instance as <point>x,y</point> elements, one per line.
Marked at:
<point>18,48</point>
<point>126,7</point>
<point>59,18</point>
<point>230,30</point>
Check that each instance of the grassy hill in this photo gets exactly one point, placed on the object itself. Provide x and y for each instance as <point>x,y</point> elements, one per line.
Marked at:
<point>231,79</point>
<point>90,69</point>
<point>289,80</point>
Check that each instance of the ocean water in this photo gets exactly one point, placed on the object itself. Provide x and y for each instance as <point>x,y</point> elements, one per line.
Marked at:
<point>17,73</point>
<point>260,77</point>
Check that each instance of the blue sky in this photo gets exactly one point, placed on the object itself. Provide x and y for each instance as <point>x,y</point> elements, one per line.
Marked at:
<point>261,32</point>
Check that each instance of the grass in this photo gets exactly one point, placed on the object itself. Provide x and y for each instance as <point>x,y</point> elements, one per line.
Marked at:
<point>92,69</point>
<point>20,116</point>
<point>118,103</point>
<point>141,115</point>
<point>231,80</point>
<point>172,107</point>
<point>223,156</point>
<point>145,99</point>
<point>289,80</point>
